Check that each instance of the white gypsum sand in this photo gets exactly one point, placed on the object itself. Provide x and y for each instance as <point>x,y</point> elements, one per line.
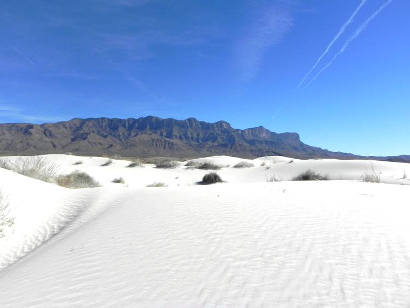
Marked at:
<point>243,243</point>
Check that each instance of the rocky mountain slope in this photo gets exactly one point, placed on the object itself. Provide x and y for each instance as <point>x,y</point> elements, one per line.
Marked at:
<point>152,136</point>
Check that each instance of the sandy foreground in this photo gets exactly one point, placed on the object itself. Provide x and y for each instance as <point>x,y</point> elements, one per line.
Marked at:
<point>257,240</point>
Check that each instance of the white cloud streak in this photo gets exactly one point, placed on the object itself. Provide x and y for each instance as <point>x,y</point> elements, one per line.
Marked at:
<point>265,32</point>
<point>334,40</point>
<point>355,35</point>
<point>10,114</point>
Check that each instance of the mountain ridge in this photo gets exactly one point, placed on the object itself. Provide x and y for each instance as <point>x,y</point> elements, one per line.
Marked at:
<point>154,136</point>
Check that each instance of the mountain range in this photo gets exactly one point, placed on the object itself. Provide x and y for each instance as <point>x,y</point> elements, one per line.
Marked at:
<point>152,136</point>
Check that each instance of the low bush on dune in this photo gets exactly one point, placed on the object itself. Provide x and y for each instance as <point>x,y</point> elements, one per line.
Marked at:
<point>157,185</point>
<point>210,178</point>
<point>310,175</point>
<point>77,179</point>
<point>166,164</point>
<point>5,164</point>
<point>107,163</point>
<point>35,167</point>
<point>192,163</point>
<point>202,165</point>
<point>157,160</point>
<point>6,221</point>
<point>208,166</point>
<point>135,163</point>
<point>118,181</point>
<point>244,164</point>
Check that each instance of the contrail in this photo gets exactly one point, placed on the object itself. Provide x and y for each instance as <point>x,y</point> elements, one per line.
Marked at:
<point>23,55</point>
<point>338,35</point>
<point>362,27</point>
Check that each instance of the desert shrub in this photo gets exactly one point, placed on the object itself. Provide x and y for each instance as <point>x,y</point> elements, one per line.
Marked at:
<point>211,178</point>
<point>371,178</point>
<point>5,164</point>
<point>136,163</point>
<point>192,163</point>
<point>166,164</point>
<point>35,167</point>
<point>6,221</point>
<point>151,160</point>
<point>157,160</point>
<point>77,179</point>
<point>310,175</point>
<point>107,163</point>
<point>118,181</point>
<point>208,166</point>
<point>244,164</point>
<point>78,163</point>
<point>157,184</point>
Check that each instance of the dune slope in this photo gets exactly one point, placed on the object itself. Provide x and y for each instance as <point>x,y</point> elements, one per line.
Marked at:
<point>336,243</point>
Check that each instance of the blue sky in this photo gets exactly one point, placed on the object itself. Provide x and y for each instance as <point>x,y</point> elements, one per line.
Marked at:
<point>242,61</point>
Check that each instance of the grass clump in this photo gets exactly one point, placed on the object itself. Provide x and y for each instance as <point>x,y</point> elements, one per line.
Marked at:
<point>107,163</point>
<point>310,175</point>
<point>6,221</point>
<point>35,167</point>
<point>118,181</point>
<point>211,178</point>
<point>77,179</point>
<point>272,178</point>
<point>244,164</point>
<point>166,164</point>
<point>157,184</point>
<point>371,178</point>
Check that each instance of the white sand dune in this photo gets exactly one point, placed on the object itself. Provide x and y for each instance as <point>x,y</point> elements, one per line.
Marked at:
<point>243,243</point>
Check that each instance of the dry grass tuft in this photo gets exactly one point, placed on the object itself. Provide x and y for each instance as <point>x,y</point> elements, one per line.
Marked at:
<point>371,178</point>
<point>6,221</point>
<point>77,180</point>
<point>35,167</point>
<point>157,184</point>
